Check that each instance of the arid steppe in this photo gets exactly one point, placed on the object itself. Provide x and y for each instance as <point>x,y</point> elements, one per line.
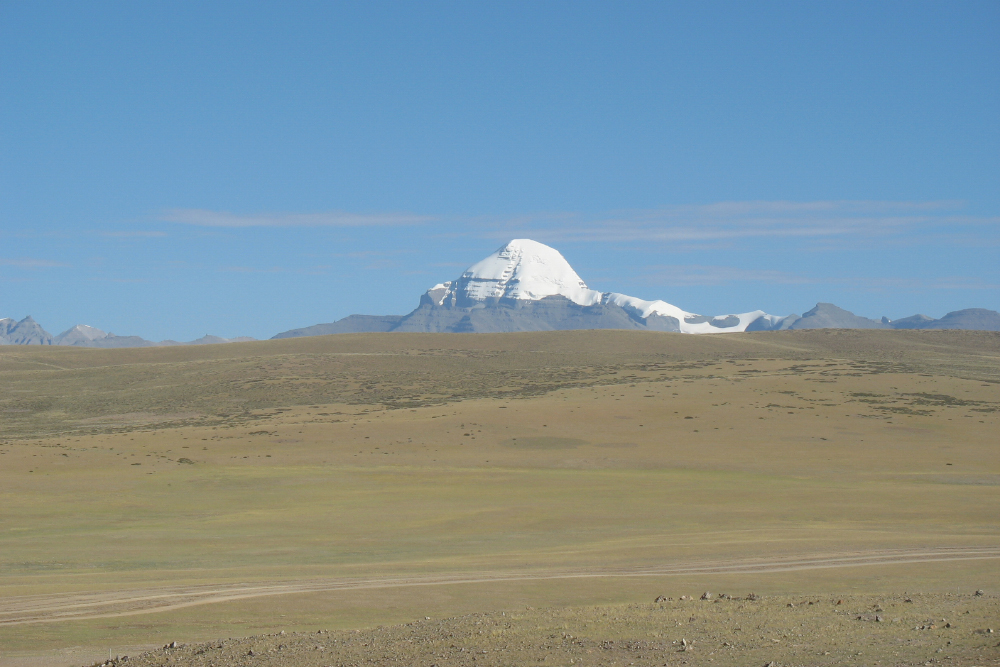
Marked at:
<point>536,483</point>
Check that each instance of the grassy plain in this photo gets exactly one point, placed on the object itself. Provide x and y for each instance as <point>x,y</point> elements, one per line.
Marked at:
<point>159,485</point>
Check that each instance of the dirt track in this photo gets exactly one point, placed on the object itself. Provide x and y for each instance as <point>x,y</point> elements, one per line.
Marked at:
<point>54,608</point>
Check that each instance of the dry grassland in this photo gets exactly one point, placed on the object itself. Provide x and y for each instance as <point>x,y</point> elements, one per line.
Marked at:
<point>350,481</point>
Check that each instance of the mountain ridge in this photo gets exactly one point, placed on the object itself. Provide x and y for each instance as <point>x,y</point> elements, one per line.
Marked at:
<point>528,286</point>
<point>30,332</point>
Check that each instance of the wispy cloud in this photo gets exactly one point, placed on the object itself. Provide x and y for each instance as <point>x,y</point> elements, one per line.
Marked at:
<point>705,225</point>
<point>252,269</point>
<point>696,275</point>
<point>134,234</point>
<point>916,284</point>
<point>207,218</point>
<point>31,263</point>
<point>369,254</point>
<point>319,269</point>
<point>728,222</point>
<point>714,276</point>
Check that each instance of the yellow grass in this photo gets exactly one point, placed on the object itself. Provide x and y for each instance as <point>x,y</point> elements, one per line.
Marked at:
<point>426,455</point>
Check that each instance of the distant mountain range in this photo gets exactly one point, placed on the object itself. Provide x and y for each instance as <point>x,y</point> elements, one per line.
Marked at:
<point>528,286</point>
<point>30,332</point>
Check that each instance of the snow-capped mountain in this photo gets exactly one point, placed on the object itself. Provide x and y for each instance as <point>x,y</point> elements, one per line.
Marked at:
<point>528,286</point>
<point>522,269</point>
<point>526,271</point>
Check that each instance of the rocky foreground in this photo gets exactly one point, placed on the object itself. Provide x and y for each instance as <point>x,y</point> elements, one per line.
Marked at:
<point>700,630</point>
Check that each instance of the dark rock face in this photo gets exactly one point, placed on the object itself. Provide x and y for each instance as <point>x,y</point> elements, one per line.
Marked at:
<point>762,324</point>
<point>557,313</point>
<point>663,323</point>
<point>829,316</point>
<point>553,313</point>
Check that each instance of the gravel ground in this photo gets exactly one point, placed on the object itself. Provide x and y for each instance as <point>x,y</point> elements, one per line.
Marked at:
<point>721,630</point>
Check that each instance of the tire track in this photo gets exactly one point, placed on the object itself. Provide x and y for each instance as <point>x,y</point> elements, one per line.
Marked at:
<point>83,606</point>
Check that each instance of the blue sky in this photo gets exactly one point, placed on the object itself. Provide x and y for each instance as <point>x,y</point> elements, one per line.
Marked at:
<point>170,169</point>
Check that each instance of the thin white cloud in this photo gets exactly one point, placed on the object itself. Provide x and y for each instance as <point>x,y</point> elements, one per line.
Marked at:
<point>207,218</point>
<point>134,234</point>
<point>31,263</point>
<point>727,222</point>
<point>369,254</point>
<point>917,284</point>
<point>251,269</point>
<point>715,276</point>
<point>697,275</point>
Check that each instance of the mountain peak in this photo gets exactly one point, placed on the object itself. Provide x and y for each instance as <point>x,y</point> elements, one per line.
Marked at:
<point>525,285</point>
<point>81,334</point>
<point>523,270</point>
<point>25,332</point>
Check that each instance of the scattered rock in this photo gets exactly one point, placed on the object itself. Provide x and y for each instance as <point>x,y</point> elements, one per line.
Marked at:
<point>660,598</point>
<point>878,619</point>
<point>979,593</point>
<point>753,596</point>
<point>706,596</point>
